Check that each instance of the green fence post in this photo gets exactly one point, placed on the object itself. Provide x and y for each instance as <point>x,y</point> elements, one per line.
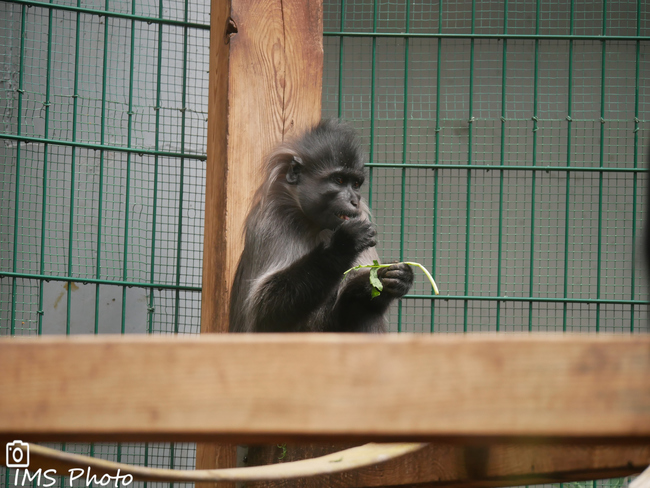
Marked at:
<point>437,160</point>
<point>636,160</point>
<point>601,164</point>
<point>468,201</point>
<point>501,158</point>
<point>404,151</point>
<point>567,215</point>
<point>535,118</point>
<point>21,91</point>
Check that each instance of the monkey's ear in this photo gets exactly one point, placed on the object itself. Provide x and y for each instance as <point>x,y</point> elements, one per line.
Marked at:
<point>295,166</point>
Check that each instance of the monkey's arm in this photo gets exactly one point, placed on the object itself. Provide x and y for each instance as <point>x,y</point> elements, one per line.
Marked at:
<point>283,300</point>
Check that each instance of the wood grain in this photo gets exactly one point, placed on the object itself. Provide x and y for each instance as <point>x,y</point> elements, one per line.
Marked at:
<point>216,275</point>
<point>349,388</point>
<point>266,62</point>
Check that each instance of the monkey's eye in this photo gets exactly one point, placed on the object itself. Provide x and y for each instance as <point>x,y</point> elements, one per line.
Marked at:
<point>356,184</point>
<point>338,180</point>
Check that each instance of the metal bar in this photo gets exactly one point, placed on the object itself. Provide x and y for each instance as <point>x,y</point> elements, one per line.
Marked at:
<point>146,460</point>
<point>404,152</point>
<point>73,161</point>
<point>468,201</point>
<point>134,284</point>
<point>151,310</point>
<point>485,167</point>
<point>127,203</point>
<point>373,70</point>
<point>501,158</point>
<point>101,171</point>
<point>496,167</point>
<point>568,177</point>
<point>342,28</point>
<point>636,159</point>
<point>179,241</point>
<point>103,147</point>
<point>152,307</point>
<point>588,301</point>
<point>473,35</point>
<point>531,278</point>
<point>437,158</point>
<point>14,265</point>
<point>107,13</point>
<point>600,175</point>
<point>48,87</point>
<point>171,461</point>
<point>520,119</point>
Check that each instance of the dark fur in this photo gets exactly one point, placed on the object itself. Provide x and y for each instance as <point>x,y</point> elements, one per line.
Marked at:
<point>290,274</point>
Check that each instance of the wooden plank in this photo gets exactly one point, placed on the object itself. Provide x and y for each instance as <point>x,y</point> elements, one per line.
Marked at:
<point>328,387</point>
<point>266,61</point>
<point>215,252</point>
<point>216,274</point>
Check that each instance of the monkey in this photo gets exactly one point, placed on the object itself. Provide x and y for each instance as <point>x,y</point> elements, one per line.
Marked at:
<point>307,225</point>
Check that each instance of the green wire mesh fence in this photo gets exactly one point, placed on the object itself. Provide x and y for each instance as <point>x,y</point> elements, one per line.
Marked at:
<point>104,126</point>
<point>505,139</point>
<point>506,154</point>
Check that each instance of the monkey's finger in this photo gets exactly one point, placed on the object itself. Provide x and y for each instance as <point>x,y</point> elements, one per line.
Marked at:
<point>396,271</point>
<point>395,288</point>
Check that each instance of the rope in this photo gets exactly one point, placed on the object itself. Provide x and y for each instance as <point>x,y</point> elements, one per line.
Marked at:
<point>642,481</point>
<point>348,459</point>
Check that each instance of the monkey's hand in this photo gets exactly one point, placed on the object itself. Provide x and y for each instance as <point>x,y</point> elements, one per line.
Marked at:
<point>353,236</point>
<point>397,279</point>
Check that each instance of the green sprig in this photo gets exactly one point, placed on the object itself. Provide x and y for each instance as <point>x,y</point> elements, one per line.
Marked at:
<point>283,454</point>
<point>377,286</point>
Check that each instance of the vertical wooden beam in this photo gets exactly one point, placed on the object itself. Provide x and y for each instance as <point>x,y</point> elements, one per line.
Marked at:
<point>266,65</point>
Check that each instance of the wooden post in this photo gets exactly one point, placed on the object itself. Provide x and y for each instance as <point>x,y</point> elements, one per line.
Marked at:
<point>266,64</point>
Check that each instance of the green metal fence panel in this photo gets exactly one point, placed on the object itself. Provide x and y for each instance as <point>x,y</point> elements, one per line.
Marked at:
<point>104,115</point>
<point>102,162</point>
<point>506,153</point>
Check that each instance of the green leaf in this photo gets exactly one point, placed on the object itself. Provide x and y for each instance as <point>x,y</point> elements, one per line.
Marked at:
<point>374,279</point>
<point>377,286</point>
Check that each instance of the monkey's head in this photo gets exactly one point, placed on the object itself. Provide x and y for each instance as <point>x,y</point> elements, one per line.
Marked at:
<point>325,173</point>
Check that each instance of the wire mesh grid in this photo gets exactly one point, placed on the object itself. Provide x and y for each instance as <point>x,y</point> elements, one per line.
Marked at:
<point>506,155</point>
<point>103,121</point>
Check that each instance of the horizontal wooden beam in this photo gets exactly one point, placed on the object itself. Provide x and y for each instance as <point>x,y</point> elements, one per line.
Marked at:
<point>271,388</point>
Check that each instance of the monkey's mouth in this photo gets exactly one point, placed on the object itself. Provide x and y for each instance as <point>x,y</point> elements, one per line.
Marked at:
<point>344,216</point>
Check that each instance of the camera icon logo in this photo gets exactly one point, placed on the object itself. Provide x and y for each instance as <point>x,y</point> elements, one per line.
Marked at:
<point>17,454</point>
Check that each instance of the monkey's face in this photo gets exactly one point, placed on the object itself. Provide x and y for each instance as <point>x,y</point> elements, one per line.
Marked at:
<point>332,197</point>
